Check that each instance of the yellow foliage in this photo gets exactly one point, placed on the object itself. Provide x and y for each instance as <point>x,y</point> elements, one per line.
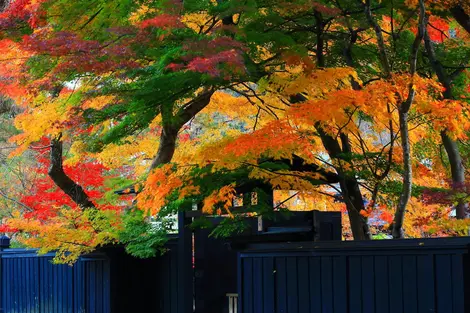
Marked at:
<point>159,185</point>
<point>98,103</point>
<point>199,22</point>
<point>70,234</point>
<point>220,201</point>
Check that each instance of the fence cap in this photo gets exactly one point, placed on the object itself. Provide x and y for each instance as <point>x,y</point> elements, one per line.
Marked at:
<point>4,242</point>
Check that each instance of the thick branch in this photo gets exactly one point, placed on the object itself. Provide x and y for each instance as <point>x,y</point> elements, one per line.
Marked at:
<point>64,182</point>
<point>172,125</point>
<point>299,165</point>
<point>461,17</point>
<point>380,39</point>
<point>451,146</point>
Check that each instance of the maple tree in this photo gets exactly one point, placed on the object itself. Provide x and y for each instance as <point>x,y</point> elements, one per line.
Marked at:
<point>346,104</point>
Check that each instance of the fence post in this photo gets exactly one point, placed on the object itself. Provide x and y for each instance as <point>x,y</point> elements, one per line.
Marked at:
<point>185,264</point>
<point>4,244</point>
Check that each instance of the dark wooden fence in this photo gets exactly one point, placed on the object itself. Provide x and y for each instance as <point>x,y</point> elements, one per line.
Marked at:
<point>32,284</point>
<point>410,276</point>
<point>110,281</point>
<point>145,285</point>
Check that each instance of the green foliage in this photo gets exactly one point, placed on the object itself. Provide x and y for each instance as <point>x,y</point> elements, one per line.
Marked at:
<point>144,239</point>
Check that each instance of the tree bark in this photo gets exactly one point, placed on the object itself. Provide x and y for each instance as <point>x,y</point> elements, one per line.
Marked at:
<point>351,193</point>
<point>461,17</point>
<point>173,123</point>
<point>397,231</point>
<point>64,182</point>
<point>457,171</point>
<point>451,146</point>
<point>349,185</point>
<point>166,148</point>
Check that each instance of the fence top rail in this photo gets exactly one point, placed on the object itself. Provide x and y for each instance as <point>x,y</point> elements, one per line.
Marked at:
<point>22,252</point>
<point>454,243</point>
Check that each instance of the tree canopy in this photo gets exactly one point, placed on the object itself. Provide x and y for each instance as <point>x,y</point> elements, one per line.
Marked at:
<point>358,106</point>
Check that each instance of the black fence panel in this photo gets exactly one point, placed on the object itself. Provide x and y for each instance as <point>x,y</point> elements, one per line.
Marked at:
<point>411,276</point>
<point>109,281</point>
<point>215,271</point>
<point>32,284</point>
<point>144,285</point>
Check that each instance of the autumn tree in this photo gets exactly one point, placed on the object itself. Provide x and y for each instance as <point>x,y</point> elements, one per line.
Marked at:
<point>199,101</point>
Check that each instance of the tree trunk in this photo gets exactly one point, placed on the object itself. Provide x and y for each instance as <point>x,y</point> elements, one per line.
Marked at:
<point>457,170</point>
<point>60,178</point>
<point>461,17</point>
<point>172,125</point>
<point>167,147</point>
<point>354,204</point>
<point>397,231</point>
<point>349,185</point>
<point>405,196</point>
<point>451,147</point>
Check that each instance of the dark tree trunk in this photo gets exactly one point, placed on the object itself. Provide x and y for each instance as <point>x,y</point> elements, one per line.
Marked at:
<point>405,196</point>
<point>64,182</point>
<point>173,123</point>
<point>457,170</point>
<point>351,193</point>
<point>461,17</point>
<point>354,204</point>
<point>167,147</point>
<point>452,149</point>
<point>349,185</point>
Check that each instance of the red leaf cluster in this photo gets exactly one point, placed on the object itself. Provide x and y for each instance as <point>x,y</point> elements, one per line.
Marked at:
<point>46,198</point>
<point>163,21</point>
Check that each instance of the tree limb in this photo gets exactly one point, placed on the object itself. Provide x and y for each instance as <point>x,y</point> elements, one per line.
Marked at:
<point>62,180</point>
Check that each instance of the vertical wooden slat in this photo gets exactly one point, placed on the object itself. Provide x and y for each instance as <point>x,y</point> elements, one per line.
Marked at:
<point>425,272</point>
<point>78,287</point>
<point>443,270</point>
<point>21,281</point>
<point>166,275</point>
<point>381,284</point>
<point>240,286</point>
<point>58,296</point>
<point>185,265</point>
<point>327,284</point>
<point>410,297</point>
<point>16,283</point>
<point>248,285</point>
<point>41,286</point>
<point>303,284</point>
<point>50,274</point>
<point>395,278</point>
<point>173,283</point>
<point>258,285</point>
<point>27,286</point>
<point>107,286</point>
<point>68,289</point>
<point>281,284</point>
<point>12,283</point>
<point>268,285</point>
<point>292,291</point>
<point>458,286</point>
<point>315,284</point>
<point>368,284</point>
<point>355,284</point>
<point>5,284</point>
<point>340,293</point>
<point>99,287</point>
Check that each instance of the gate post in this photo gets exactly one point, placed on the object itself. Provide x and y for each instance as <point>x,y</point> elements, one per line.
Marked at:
<point>4,244</point>
<point>185,264</point>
